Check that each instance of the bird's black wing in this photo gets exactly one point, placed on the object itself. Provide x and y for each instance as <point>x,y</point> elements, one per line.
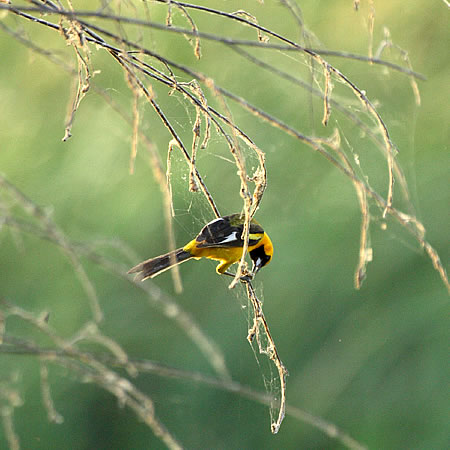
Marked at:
<point>226,232</point>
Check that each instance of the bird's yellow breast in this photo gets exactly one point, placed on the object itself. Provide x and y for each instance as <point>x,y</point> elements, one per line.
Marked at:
<point>225,255</point>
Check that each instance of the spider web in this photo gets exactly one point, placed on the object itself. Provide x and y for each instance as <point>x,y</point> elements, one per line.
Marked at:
<point>342,119</point>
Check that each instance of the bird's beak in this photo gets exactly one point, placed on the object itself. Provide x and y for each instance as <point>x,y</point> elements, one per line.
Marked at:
<point>256,266</point>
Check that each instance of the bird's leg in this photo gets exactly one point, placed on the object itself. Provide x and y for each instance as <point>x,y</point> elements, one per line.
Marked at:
<point>246,277</point>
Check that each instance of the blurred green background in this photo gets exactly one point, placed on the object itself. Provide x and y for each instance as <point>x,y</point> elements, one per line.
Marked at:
<point>374,362</point>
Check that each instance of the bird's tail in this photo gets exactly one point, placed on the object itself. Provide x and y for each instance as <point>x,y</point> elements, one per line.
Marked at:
<point>155,266</point>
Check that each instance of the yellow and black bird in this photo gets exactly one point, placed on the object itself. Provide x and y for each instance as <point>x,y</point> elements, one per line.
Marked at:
<point>220,240</point>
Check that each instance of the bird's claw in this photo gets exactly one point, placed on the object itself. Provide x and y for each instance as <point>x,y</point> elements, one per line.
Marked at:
<point>247,277</point>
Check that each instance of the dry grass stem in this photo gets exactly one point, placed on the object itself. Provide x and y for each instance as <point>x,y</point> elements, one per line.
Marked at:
<point>95,371</point>
<point>371,26</point>
<point>165,187</point>
<point>388,44</point>
<point>386,139</point>
<point>2,327</point>
<point>21,347</point>
<point>252,19</point>
<point>196,42</point>
<point>360,94</point>
<point>326,95</point>
<point>135,134</point>
<point>193,187</point>
<point>52,415</point>
<point>365,251</point>
<point>156,297</point>
<point>6,413</point>
<point>47,224</point>
<point>260,325</point>
<point>74,37</point>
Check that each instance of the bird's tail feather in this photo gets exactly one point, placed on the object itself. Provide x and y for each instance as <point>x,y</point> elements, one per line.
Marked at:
<point>155,266</point>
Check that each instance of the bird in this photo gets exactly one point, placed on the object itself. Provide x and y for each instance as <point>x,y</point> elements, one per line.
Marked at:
<point>219,240</point>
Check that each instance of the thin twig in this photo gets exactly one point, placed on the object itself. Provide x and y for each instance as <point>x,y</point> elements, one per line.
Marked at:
<point>225,40</point>
<point>99,373</point>
<point>156,297</point>
<point>15,346</point>
<point>52,229</point>
<point>52,415</point>
<point>270,350</point>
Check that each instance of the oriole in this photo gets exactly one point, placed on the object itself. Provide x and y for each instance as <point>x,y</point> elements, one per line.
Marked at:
<point>220,240</point>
